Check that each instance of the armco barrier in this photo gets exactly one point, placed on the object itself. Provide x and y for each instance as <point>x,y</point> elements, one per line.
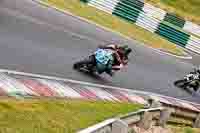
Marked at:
<point>182,116</point>
<point>103,127</point>
<point>145,118</point>
<point>153,19</point>
<point>135,117</point>
<point>123,123</point>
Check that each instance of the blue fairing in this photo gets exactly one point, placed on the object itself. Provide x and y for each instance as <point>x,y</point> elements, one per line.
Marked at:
<point>103,57</point>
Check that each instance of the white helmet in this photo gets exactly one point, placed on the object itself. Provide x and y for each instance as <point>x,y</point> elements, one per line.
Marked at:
<point>198,69</point>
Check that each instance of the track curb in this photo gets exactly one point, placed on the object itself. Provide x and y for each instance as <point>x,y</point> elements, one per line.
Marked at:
<point>92,91</point>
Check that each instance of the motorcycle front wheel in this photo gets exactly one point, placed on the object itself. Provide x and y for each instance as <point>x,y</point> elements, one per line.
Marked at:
<point>195,87</point>
<point>180,83</point>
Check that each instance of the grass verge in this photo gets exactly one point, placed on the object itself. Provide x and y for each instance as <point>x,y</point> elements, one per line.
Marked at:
<point>188,9</point>
<point>112,22</point>
<point>56,116</point>
<point>184,130</point>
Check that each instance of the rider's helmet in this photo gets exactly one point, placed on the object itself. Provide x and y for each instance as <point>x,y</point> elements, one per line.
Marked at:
<point>126,50</point>
<point>198,69</point>
<point>123,47</point>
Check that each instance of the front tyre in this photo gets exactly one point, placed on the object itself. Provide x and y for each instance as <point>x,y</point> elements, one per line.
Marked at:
<point>196,87</point>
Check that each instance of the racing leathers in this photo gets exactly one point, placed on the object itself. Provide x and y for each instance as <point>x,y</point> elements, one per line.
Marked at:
<point>119,58</point>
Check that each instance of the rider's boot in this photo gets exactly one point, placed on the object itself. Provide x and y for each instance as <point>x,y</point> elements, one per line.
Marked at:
<point>111,73</point>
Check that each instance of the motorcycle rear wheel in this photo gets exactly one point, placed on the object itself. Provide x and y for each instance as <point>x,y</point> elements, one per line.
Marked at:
<point>78,65</point>
<point>86,65</point>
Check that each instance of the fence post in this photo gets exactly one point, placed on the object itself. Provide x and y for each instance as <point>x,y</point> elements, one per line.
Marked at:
<point>146,120</point>
<point>197,122</point>
<point>119,127</point>
<point>164,116</point>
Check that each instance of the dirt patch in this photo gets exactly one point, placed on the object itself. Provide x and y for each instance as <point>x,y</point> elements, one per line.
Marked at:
<point>153,129</point>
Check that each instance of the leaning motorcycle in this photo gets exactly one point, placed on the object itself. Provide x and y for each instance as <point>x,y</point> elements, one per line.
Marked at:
<point>97,62</point>
<point>188,81</point>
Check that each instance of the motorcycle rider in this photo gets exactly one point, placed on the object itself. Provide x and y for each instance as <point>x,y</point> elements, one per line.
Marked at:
<point>197,70</point>
<point>107,58</point>
<point>191,80</point>
<point>197,73</point>
<point>124,52</point>
<point>120,54</point>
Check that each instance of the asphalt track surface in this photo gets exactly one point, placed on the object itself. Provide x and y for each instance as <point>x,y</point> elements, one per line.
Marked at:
<point>41,40</point>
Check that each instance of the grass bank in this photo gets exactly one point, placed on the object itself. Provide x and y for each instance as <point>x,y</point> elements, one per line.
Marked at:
<point>112,22</point>
<point>56,116</point>
<point>188,9</point>
<point>184,130</point>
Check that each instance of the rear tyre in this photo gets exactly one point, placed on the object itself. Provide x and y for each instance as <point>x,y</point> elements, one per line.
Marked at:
<point>86,64</point>
<point>80,64</point>
<point>180,83</point>
<point>77,65</point>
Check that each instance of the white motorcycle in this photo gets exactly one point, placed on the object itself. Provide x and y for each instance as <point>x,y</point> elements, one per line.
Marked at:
<point>189,81</point>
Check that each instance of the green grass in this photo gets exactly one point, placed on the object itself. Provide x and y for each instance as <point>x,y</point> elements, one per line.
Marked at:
<point>112,22</point>
<point>188,9</point>
<point>184,130</point>
<point>56,116</point>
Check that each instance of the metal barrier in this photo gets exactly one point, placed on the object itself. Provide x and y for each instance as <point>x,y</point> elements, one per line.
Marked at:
<point>145,118</point>
<point>183,116</point>
<point>105,126</point>
<point>122,124</point>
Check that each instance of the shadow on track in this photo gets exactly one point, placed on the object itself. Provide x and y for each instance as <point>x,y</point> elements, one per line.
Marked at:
<point>93,76</point>
<point>189,91</point>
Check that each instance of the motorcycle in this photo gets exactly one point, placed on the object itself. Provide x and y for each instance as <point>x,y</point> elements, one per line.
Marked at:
<point>188,81</point>
<point>97,62</point>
